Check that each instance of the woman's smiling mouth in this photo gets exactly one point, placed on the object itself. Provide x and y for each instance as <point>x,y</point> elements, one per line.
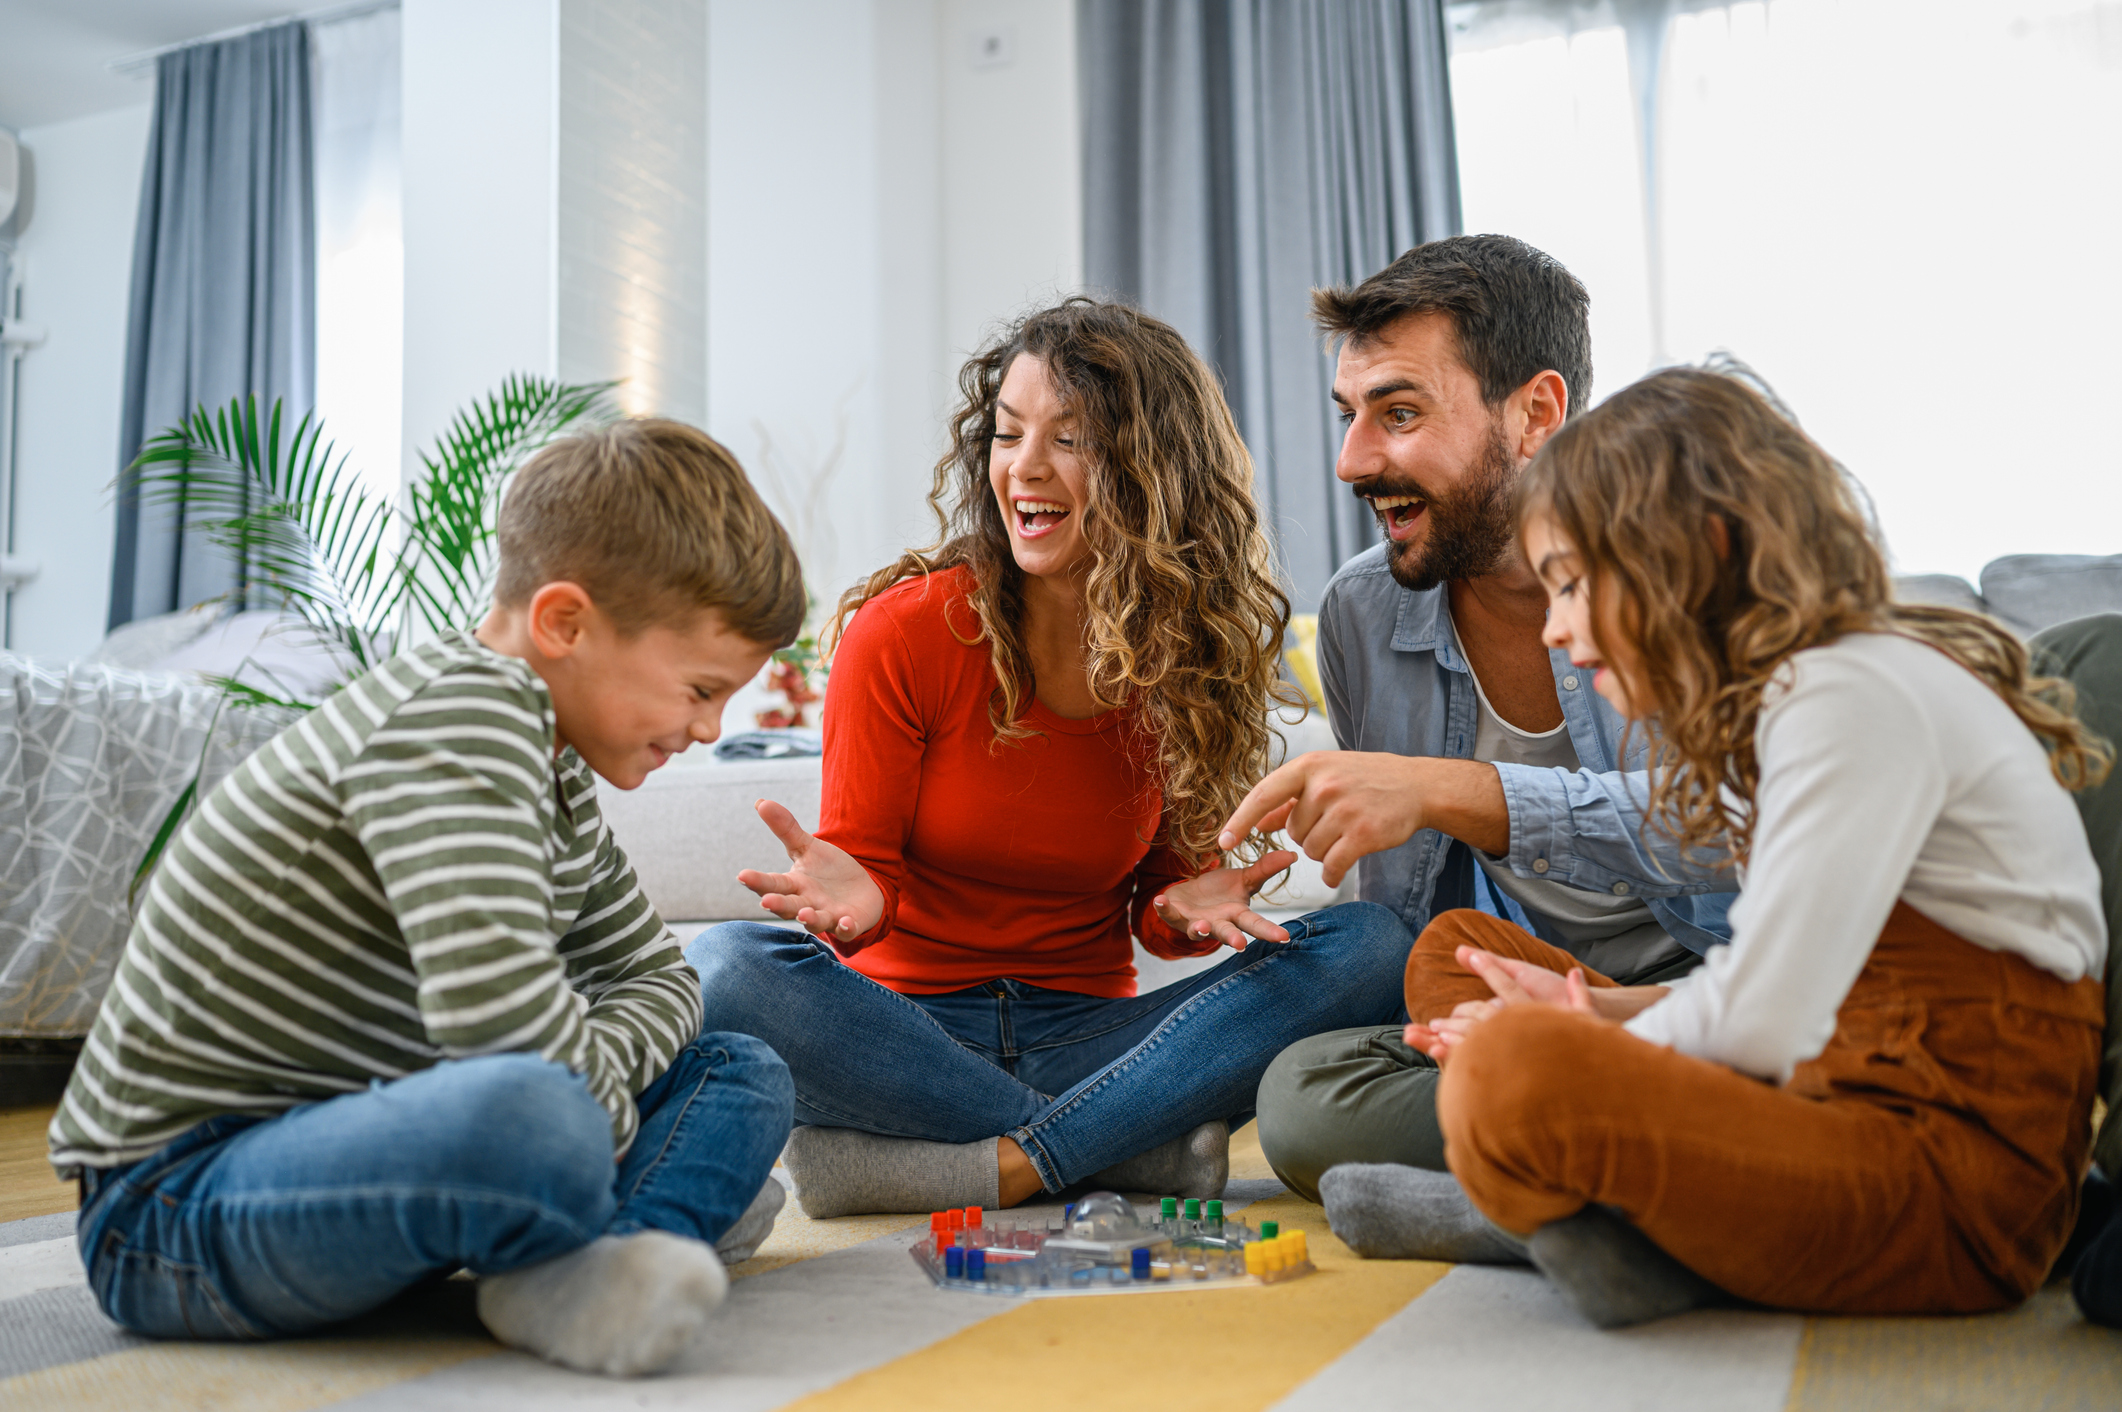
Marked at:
<point>1038,517</point>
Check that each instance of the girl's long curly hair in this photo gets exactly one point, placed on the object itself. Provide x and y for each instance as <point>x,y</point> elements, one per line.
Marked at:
<point>1183,617</point>
<point>1634,485</point>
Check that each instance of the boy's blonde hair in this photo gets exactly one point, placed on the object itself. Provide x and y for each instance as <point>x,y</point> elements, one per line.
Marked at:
<point>657,523</point>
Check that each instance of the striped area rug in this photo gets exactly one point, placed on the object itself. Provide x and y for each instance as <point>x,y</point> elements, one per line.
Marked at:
<point>834,1315</point>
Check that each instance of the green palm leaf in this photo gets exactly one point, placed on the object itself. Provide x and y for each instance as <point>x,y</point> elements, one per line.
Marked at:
<point>285,505</point>
<point>450,551</point>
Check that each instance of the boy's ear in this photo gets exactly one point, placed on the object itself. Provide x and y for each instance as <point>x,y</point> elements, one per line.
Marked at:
<point>558,617</point>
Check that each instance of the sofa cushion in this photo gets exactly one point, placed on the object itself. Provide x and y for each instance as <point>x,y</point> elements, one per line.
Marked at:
<point>690,826</point>
<point>2029,592</point>
<point>1944,590</point>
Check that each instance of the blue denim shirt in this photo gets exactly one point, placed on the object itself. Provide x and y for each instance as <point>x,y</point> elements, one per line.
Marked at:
<point>1395,681</point>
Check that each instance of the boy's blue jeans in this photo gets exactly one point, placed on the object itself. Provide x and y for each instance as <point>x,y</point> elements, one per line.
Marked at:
<point>250,1227</point>
<point>1079,1081</point>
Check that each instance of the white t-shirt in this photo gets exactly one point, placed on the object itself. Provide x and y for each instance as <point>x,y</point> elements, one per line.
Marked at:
<point>1615,935</point>
<point>1888,772</point>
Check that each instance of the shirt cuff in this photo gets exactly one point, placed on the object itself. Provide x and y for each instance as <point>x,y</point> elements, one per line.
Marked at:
<point>1538,804</point>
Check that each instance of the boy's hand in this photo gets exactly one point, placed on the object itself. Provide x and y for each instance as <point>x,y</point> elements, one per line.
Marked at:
<point>1214,904</point>
<point>825,889</point>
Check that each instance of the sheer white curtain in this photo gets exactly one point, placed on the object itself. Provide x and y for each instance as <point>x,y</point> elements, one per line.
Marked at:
<point>1899,211</point>
<point>360,243</point>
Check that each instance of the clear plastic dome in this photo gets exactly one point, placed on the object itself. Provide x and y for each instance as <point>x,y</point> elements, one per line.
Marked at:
<point>1104,1216</point>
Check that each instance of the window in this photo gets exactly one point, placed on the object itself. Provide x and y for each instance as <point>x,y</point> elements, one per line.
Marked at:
<point>1900,212</point>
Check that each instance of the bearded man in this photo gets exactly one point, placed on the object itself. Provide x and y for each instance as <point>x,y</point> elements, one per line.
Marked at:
<point>1476,768</point>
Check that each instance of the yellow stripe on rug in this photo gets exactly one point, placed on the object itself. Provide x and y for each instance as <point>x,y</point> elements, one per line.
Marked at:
<point>2040,1357</point>
<point>1217,1351</point>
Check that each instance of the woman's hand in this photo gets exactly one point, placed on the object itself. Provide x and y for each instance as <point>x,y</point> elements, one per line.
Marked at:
<point>825,889</point>
<point>1215,904</point>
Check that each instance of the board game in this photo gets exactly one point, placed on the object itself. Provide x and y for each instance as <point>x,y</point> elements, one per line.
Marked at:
<point>1101,1245</point>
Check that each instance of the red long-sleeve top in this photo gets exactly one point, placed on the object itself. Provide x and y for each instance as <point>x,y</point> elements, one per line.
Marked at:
<point>1026,859</point>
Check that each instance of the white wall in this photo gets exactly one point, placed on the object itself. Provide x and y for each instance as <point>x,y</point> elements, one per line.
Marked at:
<point>875,205</point>
<point>1012,163</point>
<point>633,201</point>
<point>76,255</point>
<point>480,122</point>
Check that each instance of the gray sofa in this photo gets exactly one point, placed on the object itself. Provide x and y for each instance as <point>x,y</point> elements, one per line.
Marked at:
<point>2028,592</point>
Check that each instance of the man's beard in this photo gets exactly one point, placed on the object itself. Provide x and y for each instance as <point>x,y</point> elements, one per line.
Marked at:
<point>1469,532</point>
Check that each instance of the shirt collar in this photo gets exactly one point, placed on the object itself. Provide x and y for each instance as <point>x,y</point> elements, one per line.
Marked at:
<point>1423,624</point>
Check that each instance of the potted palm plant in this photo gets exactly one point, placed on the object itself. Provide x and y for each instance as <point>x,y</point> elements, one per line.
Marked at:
<point>352,571</point>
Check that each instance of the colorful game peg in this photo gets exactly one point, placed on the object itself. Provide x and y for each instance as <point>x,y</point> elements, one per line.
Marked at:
<point>1140,1262</point>
<point>1268,1229</point>
<point>954,1263</point>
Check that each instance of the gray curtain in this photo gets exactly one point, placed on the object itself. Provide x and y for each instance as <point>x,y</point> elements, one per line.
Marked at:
<point>1238,153</point>
<point>224,285</point>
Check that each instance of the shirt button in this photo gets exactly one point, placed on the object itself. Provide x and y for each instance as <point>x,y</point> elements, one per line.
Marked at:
<point>1539,865</point>
<point>1620,889</point>
<point>1569,683</point>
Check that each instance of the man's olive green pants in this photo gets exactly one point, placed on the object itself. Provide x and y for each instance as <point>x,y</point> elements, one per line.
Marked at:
<point>1359,1095</point>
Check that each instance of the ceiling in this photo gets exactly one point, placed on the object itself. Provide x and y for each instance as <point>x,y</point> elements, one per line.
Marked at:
<point>54,53</point>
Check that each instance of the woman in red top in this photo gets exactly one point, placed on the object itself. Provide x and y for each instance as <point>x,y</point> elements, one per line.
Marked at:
<point>1035,730</point>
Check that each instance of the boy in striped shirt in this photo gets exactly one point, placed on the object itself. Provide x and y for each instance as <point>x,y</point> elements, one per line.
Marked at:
<point>393,1003</point>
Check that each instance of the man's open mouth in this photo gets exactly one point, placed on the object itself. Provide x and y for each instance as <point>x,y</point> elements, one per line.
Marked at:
<point>1398,513</point>
<point>1037,517</point>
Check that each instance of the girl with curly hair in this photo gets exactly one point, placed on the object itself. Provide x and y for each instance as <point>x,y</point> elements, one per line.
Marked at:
<point>1876,1099</point>
<point>1035,729</point>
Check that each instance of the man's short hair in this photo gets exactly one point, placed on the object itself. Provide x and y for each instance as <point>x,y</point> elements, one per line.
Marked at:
<point>1518,311</point>
<point>657,523</point>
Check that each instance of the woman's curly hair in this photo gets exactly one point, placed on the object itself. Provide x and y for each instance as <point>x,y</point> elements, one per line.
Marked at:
<point>1634,486</point>
<point>1183,617</point>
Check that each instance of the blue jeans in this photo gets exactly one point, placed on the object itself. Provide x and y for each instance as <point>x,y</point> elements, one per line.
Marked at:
<point>250,1227</point>
<point>1079,1081</point>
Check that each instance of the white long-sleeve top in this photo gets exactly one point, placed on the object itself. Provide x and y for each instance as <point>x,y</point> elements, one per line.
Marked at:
<point>1888,772</point>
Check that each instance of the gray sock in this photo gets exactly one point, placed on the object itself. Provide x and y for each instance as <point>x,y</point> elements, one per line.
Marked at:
<point>622,1305</point>
<point>1195,1164</point>
<point>848,1172</point>
<point>741,1241</point>
<point>1384,1211</point>
<point>1613,1273</point>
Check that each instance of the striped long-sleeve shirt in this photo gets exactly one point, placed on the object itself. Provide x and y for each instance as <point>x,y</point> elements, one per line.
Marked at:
<point>405,875</point>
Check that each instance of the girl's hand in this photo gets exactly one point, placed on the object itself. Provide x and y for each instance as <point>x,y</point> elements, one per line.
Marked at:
<point>825,889</point>
<point>1439,1037</point>
<point>1514,982</point>
<point>1215,904</point>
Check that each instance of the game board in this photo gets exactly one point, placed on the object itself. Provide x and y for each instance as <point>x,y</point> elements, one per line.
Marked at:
<point>1101,1245</point>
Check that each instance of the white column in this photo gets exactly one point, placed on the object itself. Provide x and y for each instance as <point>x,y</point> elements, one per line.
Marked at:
<point>480,183</point>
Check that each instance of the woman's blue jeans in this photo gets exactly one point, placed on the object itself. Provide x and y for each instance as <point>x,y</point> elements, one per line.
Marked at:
<point>1079,1081</point>
<point>250,1227</point>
